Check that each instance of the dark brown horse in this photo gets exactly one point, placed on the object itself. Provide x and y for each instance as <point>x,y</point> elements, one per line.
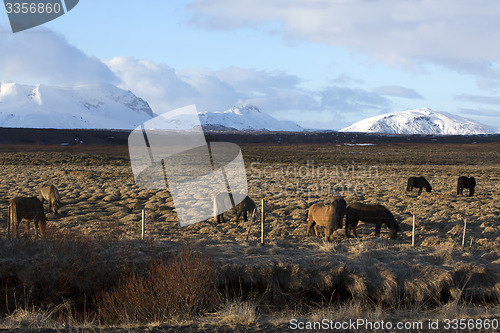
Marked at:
<point>466,182</point>
<point>418,182</point>
<point>330,216</point>
<point>370,213</point>
<point>223,203</point>
<point>29,209</point>
<point>51,194</point>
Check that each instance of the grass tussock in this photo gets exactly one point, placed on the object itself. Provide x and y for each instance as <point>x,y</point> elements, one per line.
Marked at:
<point>92,268</point>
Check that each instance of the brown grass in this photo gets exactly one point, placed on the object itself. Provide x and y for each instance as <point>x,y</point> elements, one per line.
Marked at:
<point>92,258</point>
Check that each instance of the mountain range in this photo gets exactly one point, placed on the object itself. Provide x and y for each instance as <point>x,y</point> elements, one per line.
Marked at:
<point>104,106</point>
<point>96,106</point>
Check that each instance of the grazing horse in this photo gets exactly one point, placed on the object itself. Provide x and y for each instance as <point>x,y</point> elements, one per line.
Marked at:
<point>418,182</point>
<point>368,213</point>
<point>245,207</point>
<point>51,194</point>
<point>466,182</point>
<point>29,209</point>
<point>330,216</point>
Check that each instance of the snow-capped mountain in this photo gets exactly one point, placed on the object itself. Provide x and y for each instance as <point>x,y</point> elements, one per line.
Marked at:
<point>96,106</point>
<point>420,121</point>
<point>246,118</point>
<point>104,106</point>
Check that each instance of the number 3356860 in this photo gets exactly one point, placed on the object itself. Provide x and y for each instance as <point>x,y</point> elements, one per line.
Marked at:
<point>32,8</point>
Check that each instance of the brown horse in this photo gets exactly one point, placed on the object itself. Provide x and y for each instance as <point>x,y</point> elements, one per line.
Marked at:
<point>376,214</point>
<point>29,209</point>
<point>330,216</point>
<point>51,194</point>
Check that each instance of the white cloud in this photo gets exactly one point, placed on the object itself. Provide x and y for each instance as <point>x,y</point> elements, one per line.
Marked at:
<point>398,91</point>
<point>165,88</point>
<point>42,56</point>
<point>275,92</point>
<point>460,34</point>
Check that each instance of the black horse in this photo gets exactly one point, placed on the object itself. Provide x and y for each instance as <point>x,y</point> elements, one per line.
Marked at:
<point>418,182</point>
<point>245,207</point>
<point>370,213</point>
<point>466,182</point>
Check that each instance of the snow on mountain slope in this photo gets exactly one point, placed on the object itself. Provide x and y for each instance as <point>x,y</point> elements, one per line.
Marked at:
<point>104,106</point>
<point>420,121</point>
<point>97,106</point>
<point>247,118</point>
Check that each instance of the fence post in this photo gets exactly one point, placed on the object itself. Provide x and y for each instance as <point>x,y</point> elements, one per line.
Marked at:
<point>463,237</point>
<point>215,209</point>
<point>8,221</point>
<point>143,223</point>
<point>262,222</point>
<point>413,232</point>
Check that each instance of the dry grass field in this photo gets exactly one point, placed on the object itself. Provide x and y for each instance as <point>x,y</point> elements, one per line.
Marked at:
<point>92,251</point>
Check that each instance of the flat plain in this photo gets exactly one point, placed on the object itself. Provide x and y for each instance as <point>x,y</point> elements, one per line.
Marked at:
<point>291,275</point>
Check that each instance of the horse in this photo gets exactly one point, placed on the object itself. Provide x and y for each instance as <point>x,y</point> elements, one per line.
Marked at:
<point>330,216</point>
<point>418,182</point>
<point>370,213</point>
<point>466,182</point>
<point>245,207</point>
<point>51,194</point>
<point>29,209</point>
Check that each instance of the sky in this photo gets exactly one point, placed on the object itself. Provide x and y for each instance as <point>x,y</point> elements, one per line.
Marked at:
<point>324,64</point>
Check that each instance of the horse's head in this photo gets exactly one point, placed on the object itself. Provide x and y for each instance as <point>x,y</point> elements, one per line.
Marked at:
<point>393,230</point>
<point>428,188</point>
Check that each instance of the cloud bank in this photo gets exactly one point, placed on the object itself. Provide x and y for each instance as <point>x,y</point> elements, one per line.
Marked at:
<point>275,92</point>
<point>42,56</point>
<point>458,34</point>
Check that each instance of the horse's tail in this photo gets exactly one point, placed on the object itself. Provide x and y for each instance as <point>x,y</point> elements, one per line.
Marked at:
<point>12,218</point>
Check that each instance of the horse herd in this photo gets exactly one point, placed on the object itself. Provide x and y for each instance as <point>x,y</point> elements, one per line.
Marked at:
<point>462,182</point>
<point>31,208</point>
<point>329,216</point>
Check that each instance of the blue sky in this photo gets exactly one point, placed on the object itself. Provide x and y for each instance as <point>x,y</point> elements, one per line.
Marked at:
<point>320,63</point>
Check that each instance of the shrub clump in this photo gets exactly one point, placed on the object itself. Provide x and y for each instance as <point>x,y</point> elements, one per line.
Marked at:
<point>181,287</point>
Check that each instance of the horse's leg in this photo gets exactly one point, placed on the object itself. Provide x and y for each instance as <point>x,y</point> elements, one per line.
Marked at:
<point>35,222</point>
<point>348,227</point>
<point>27,227</point>
<point>354,230</point>
<point>420,190</point>
<point>328,232</point>
<point>310,223</point>
<point>238,215</point>
<point>13,227</point>
<point>471,191</point>
<point>378,225</point>
<point>353,227</point>
<point>315,226</point>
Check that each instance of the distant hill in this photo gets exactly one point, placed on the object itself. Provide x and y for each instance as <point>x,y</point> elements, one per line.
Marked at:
<point>420,121</point>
